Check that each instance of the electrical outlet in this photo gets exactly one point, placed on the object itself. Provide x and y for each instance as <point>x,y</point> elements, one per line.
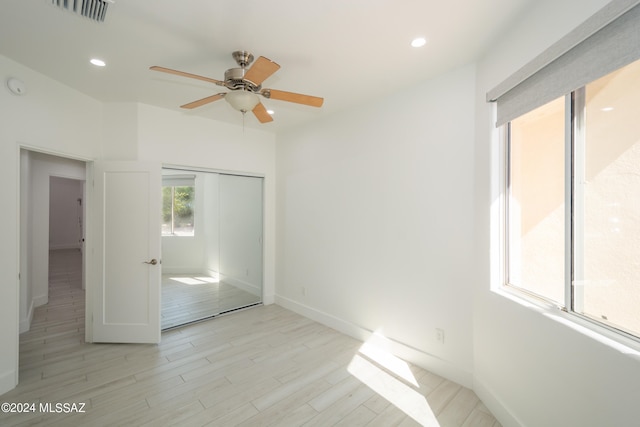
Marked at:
<point>440,335</point>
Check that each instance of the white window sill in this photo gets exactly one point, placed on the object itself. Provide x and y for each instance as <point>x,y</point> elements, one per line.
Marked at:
<point>591,329</point>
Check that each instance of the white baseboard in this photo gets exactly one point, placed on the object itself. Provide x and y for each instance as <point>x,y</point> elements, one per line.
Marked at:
<point>245,286</point>
<point>406,352</point>
<point>40,300</point>
<point>495,404</point>
<point>25,324</point>
<point>8,381</point>
<point>268,299</point>
<point>68,246</point>
<point>212,273</point>
<point>182,270</point>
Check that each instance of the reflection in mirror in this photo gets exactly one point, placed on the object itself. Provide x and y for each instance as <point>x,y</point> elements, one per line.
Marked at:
<point>211,245</point>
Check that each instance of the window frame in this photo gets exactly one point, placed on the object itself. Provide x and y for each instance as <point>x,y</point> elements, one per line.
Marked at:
<point>574,143</point>
<point>606,41</point>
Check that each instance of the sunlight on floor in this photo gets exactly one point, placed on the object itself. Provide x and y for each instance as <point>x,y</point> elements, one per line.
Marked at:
<point>367,366</point>
<point>389,361</point>
<point>195,280</point>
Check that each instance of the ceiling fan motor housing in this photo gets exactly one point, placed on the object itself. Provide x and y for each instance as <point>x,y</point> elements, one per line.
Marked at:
<point>234,80</point>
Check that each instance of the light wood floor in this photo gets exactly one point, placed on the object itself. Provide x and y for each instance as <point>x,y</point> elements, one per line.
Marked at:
<point>264,366</point>
<point>191,297</point>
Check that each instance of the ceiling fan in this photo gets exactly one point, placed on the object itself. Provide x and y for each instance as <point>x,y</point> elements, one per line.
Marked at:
<point>245,84</point>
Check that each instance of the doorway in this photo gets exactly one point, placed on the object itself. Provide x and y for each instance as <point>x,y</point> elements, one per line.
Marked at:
<point>52,212</point>
<point>212,244</point>
<point>66,228</point>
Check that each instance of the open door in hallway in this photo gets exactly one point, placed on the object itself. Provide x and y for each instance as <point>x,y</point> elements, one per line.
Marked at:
<point>125,296</point>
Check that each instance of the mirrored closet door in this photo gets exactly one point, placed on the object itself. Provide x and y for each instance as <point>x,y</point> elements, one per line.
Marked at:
<point>211,244</point>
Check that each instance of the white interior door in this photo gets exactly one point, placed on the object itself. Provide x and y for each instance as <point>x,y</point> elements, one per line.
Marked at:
<point>126,296</point>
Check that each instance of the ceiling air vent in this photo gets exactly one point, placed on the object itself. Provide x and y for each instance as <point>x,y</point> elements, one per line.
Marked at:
<point>95,10</point>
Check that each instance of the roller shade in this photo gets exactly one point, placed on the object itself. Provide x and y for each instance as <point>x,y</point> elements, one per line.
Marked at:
<point>607,41</point>
<point>178,180</point>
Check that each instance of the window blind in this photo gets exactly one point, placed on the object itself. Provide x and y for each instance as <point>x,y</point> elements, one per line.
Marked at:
<point>178,180</point>
<point>609,40</point>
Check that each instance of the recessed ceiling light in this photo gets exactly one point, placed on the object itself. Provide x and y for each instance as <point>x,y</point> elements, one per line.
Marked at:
<point>270,112</point>
<point>418,42</point>
<point>98,62</point>
<point>606,109</point>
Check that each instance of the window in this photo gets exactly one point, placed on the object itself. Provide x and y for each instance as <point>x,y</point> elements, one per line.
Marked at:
<point>572,176</point>
<point>573,201</point>
<point>178,196</point>
<point>536,201</point>
<point>607,201</point>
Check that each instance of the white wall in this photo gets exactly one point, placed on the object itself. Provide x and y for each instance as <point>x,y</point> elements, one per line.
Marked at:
<point>120,128</point>
<point>65,212</point>
<point>531,367</point>
<point>52,118</point>
<point>375,221</point>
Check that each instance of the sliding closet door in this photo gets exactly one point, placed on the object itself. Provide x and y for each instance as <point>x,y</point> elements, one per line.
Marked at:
<point>215,265</point>
<point>240,228</point>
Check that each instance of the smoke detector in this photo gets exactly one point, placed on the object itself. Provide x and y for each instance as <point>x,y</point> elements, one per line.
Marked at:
<point>16,86</point>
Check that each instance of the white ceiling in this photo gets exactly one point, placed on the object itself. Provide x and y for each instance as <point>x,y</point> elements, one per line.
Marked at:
<point>348,51</point>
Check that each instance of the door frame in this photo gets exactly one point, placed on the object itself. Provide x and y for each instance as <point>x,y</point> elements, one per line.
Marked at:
<point>20,216</point>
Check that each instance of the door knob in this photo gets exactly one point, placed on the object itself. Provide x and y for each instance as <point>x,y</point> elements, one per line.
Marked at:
<point>152,262</point>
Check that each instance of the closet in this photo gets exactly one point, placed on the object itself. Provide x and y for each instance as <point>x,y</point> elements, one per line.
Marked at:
<point>212,244</point>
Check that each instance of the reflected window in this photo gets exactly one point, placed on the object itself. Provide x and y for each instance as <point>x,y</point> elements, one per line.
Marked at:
<point>178,197</point>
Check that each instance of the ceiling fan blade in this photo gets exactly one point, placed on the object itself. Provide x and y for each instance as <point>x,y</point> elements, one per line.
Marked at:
<point>203,101</point>
<point>261,70</point>
<point>298,98</point>
<point>183,74</point>
<point>261,113</point>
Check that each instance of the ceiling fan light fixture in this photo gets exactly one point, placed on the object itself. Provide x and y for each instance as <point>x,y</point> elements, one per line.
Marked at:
<point>242,100</point>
